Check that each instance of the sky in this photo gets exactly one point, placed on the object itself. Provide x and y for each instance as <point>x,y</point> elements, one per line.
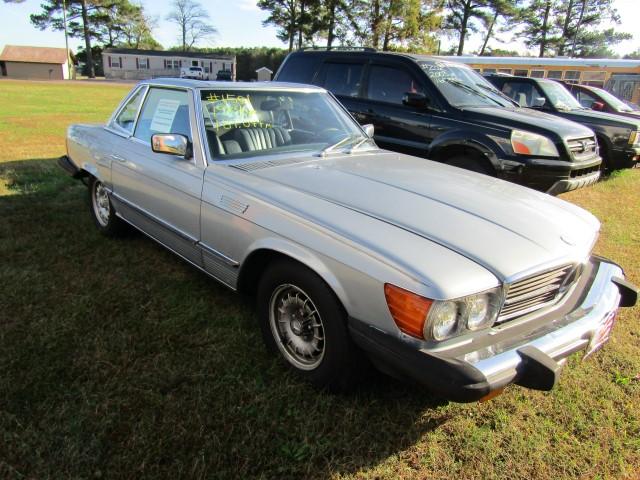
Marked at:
<point>239,23</point>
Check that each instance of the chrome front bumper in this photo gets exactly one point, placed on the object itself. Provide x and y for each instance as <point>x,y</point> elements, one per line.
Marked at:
<point>581,326</point>
<point>532,357</point>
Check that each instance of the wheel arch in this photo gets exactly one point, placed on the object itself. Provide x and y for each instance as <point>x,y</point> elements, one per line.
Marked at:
<point>605,149</point>
<point>484,149</point>
<point>263,252</point>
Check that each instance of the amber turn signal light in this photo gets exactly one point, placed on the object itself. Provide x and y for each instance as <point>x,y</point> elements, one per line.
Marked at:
<point>408,310</point>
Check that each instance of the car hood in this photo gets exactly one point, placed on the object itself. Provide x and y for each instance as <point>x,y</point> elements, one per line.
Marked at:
<point>528,119</point>
<point>600,118</point>
<point>506,228</point>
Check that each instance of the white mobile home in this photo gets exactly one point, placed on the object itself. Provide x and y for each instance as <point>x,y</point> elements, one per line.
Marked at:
<point>137,64</point>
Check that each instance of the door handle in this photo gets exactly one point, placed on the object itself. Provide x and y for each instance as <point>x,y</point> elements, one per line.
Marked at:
<point>117,157</point>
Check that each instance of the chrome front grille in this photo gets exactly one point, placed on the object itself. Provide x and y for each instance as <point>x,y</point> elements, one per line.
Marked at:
<point>582,148</point>
<point>537,291</point>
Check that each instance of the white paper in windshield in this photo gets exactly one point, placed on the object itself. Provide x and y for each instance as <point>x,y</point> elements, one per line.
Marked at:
<point>164,115</point>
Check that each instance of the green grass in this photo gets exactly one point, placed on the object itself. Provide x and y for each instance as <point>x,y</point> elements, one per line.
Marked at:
<point>118,360</point>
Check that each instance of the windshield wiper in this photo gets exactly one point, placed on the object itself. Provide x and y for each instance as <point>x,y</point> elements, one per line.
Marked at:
<point>469,88</point>
<point>342,141</point>
<point>495,91</point>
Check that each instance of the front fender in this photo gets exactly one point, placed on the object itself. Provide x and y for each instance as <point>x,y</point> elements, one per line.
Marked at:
<point>484,144</point>
<point>309,258</point>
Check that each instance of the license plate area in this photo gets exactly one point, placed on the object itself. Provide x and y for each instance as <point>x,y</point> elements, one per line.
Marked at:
<point>602,334</point>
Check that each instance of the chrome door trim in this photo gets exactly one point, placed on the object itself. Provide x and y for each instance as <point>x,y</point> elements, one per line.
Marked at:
<point>231,287</point>
<point>159,221</point>
<point>212,251</point>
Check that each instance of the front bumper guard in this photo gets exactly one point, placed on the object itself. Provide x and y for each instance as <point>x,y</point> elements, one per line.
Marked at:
<point>532,363</point>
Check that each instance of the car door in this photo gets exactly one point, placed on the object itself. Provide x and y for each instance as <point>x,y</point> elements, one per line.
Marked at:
<point>398,127</point>
<point>160,193</point>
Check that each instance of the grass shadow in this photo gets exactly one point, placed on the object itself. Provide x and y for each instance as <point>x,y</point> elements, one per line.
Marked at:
<point>121,360</point>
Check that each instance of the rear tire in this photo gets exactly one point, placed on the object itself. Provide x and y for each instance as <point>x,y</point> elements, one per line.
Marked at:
<point>102,211</point>
<point>471,163</point>
<point>303,321</point>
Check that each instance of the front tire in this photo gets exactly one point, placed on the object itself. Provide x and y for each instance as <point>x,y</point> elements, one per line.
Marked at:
<point>471,163</point>
<point>302,320</point>
<point>102,211</point>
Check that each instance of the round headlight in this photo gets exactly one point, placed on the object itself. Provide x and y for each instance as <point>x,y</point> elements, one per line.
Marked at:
<point>477,311</point>
<point>443,320</point>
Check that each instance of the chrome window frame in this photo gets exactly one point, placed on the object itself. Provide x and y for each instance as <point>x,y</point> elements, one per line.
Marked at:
<point>113,126</point>
<point>209,160</point>
<point>192,126</point>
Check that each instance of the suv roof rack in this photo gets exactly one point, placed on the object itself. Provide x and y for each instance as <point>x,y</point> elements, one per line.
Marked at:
<point>362,49</point>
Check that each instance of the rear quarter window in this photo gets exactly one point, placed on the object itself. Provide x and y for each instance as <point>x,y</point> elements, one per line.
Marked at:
<point>299,69</point>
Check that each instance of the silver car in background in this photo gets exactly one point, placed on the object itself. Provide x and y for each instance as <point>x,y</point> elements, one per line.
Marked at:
<point>462,282</point>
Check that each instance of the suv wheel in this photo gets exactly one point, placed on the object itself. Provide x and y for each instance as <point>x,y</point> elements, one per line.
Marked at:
<point>471,163</point>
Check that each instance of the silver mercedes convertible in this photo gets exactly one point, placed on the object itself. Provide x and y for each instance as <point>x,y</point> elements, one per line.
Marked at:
<point>356,255</point>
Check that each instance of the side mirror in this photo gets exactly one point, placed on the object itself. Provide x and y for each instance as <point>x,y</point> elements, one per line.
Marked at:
<point>599,106</point>
<point>416,100</point>
<point>538,102</point>
<point>368,130</point>
<point>172,144</point>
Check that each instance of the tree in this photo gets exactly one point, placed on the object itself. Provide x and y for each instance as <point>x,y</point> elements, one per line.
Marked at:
<point>596,44</point>
<point>399,24</point>
<point>192,20</point>
<point>462,17</point>
<point>500,9</point>
<point>573,17</point>
<point>295,19</point>
<point>539,27</point>
<point>564,27</point>
<point>385,24</point>
<point>137,31</point>
<point>78,14</point>
<point>102,21</point>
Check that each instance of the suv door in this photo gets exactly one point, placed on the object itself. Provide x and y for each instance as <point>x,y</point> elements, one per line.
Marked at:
<point>343,78</point>
<point>398,127</point>
<point>157,192</point>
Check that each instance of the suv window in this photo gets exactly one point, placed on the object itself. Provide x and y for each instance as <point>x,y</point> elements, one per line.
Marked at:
<point>585,99</point>
<point>298,69</point>
<point>343,78</point>
<point>389,84</point>
<point>164,111</point>
<point>523,93</point>
<point>127,116</point>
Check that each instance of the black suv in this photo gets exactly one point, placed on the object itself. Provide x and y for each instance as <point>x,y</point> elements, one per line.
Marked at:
<point>447,112</point>
<point>618,137</point>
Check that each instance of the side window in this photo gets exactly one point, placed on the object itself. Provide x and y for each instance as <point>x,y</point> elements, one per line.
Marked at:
<point>164,111</point>
<point>522,92</point>
<point>585,99</point>
<point>127,116</point>
<point>388,84</point>
<point>343,78</point>
<point>299,69</point>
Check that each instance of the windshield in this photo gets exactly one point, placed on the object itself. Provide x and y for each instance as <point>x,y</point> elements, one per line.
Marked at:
<point>559,96</point>
<point>462,86</point>
<point>612,100</point>
<point>249,123</point>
